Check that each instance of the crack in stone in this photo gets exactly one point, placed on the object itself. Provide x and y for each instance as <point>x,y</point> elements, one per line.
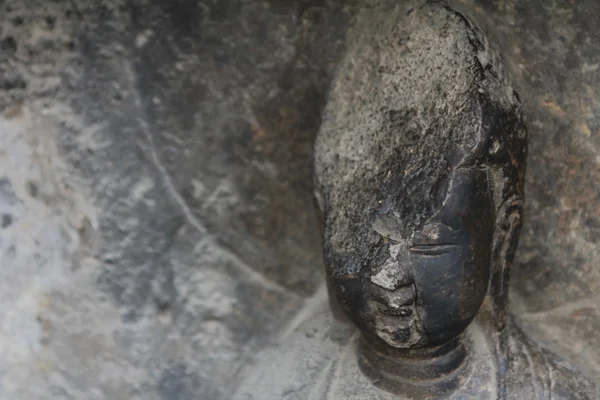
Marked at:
<point>166,178</point>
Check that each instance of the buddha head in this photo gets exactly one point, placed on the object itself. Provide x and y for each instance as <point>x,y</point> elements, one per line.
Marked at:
<point>420,181</point>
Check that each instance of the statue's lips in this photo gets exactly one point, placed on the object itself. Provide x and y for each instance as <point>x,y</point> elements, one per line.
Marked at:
<point>393,324</point>
<point>399,335</point>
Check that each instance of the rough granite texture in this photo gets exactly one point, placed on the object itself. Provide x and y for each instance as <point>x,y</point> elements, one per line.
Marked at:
<point>156,217</point>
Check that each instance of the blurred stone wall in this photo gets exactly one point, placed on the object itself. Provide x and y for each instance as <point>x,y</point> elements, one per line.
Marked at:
<point>156,217</point>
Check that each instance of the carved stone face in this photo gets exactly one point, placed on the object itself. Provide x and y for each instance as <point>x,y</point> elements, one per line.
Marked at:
<point>434,279</point>
<point>411,172</point>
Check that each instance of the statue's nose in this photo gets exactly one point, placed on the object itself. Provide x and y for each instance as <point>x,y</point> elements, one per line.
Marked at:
<point>401,296</point>
<point>396,271</point>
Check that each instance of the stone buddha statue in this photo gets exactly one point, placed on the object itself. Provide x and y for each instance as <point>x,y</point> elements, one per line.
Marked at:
<point>420,165</point>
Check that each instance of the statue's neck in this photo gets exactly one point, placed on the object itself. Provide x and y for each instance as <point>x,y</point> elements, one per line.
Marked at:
<point>415,373</point>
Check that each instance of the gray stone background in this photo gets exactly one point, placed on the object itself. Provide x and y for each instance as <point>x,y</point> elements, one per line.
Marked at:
<point>156,217</point>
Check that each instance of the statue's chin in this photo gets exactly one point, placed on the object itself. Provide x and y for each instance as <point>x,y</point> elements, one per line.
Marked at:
<point>392,339</point>
<point>394,343</point>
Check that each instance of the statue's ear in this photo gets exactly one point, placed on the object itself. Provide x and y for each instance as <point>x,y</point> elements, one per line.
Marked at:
<point>506,239</point>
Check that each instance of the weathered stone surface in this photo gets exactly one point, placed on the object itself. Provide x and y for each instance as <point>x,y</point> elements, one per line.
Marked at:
<point>155,197</point>
<point>156,206</point>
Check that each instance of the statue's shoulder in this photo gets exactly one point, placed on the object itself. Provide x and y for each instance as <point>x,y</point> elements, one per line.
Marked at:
<point>536,373</point>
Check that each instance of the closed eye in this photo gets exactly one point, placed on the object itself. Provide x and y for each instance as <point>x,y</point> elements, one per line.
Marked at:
<point>436,249</point>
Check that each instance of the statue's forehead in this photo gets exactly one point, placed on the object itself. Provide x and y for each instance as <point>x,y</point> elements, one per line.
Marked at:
<point>412,179</point>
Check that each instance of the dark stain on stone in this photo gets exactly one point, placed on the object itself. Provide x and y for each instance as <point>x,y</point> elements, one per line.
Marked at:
<point>172,384</point>
<point>18,21</point>
<point>8,45</point>
<point>50,22</point>
<point>32,189</point>
<point>70,45</point>
<point>12,83</point>
<point>177,382</point>
<point>6,220</point>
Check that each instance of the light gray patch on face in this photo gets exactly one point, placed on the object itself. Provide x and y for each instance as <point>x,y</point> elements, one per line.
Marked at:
<point>390,275</point>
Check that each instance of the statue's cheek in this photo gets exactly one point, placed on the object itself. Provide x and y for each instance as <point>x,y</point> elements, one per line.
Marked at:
<point>441,292</point>
<point>439,272</point>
